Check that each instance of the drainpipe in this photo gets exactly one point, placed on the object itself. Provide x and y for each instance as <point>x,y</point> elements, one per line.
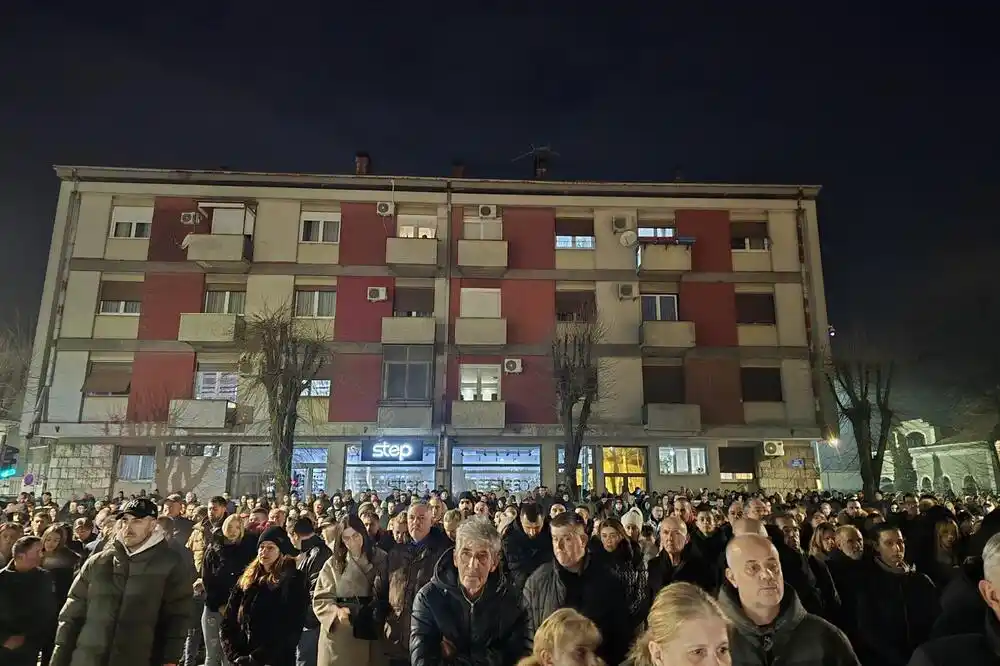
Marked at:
<point>444,443</point>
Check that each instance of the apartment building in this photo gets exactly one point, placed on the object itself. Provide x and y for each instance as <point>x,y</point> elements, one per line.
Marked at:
<point>440,297</point>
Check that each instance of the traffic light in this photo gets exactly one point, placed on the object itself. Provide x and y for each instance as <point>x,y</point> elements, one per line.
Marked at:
<point>8,461</point>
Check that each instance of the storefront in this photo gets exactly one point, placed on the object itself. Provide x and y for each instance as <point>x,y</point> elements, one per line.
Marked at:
<point>516,469</point>
<point>586,472</point>
<point>624,468</point>
<point>384,465</point>
<point>309,470</point>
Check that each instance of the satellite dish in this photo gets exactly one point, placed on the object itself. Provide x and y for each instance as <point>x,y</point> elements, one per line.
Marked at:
<point>628,238</point>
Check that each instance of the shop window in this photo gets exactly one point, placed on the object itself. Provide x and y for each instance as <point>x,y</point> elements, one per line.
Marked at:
<point>413,302</point>
<point>496,468</point>
<point>225,302</point>
<point>659,307</point>
<point>585,464</point>
<point>479,382</point>
<point>663,384</point>
<point>686,460</point>
<point>755,308</point>
<point>761,384</point>
<point>410,476</point>
<point>749,236</point>
<point>624,468</point>
<point>575,305</point>
<point>407,372</point>
<point>310,303</point>
<point>479,303</point>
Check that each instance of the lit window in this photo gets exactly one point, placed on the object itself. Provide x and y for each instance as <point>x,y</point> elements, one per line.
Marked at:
<point>479,382</point>
<point>657,232</point>
<point>575,243</point>
<point>683,460</point>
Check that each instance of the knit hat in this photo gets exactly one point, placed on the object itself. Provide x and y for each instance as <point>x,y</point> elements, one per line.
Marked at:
<point>632,517</point>
<point>467,495</point>
<point>279,537</point>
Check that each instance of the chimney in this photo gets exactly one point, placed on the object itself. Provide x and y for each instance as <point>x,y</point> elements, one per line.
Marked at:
<point>541,167</point>
<point>362,164</point>
<point>457,170</point>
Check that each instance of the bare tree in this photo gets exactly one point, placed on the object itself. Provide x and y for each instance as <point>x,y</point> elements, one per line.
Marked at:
<point>15,361</point>
<point>279,358</point>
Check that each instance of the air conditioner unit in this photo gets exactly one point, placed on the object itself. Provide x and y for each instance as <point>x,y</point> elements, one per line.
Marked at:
<point>376,294</point>
<point>385,208</point>
<point>191,218</point>
<point>489,212</point>
<point>620,224</point>
<point>627,291</point>
<point>513,366</point>
<point>774,448</point>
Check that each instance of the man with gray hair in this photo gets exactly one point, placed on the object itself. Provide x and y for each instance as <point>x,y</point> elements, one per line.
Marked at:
<point>981,648</point>
<point>466,614</point>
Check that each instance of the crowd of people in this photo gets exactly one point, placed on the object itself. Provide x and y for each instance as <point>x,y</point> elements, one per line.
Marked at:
<point>684,578</point>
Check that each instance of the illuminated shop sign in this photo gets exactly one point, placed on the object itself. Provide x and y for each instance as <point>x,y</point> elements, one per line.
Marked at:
<point>382,451</point>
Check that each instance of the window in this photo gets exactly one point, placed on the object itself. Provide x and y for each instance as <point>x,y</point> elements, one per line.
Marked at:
<point>316,388</point>
<point>315,303</point>
<point>575,235</point>
<point>476,228</point>
<point>659,307</point>
<point>413,302</point>
<point>755,308</point>
<point>739,462</point>
<point>663,384</point>
<point>480,303</point>
<point>107,379</point>
<point>121,298</point>
<point>585,462</point>
<point>736,476</point>
<point>656,232</point>
<point>136,467</point>
<point>131,221</point>
<point>416,226</point>
<point>216,384</point>
<point>407,371</point>
<point>320,227</point>
<point>479,382</point>
<point>225,302</point>
<point>194,450</point>
<point>749,236</point>
<point>761,384</point>
<point>690,460</point>
<point>494,468</point>
<point>575,305</point>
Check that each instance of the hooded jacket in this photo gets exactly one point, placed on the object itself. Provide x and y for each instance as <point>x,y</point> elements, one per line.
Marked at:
<point>795,638</point>
<point>522,554</point>
<point>28,608</point>
<point>489,631</point>
<point>978,649</point>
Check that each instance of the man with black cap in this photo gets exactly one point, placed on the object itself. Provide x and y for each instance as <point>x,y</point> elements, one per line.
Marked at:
<point>466,502</point>
<point>173,508</point>
<point>131,602</point>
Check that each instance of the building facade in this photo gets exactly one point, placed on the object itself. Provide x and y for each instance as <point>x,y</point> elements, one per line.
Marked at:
<point>441,297</point>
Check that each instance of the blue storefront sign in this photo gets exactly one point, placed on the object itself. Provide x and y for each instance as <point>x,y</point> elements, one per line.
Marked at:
<point>382,451</point>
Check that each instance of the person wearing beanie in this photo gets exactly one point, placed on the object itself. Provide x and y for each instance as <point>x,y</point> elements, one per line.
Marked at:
<point>279,537</point>
<point>632,522</point>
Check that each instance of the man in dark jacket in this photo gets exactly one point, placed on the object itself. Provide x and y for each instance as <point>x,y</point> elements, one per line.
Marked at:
<point>570,581</point>
<point>678,560</point>
<point>131,603</point>
<point>313,554</point>
<point>27,605</point>
<point>527,545</point>
<point>468,613</point>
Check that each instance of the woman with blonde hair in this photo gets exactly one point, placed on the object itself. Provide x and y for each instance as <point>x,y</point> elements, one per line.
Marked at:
<point>823,541</point>
<point>565,638</point>
<point>685,626</point>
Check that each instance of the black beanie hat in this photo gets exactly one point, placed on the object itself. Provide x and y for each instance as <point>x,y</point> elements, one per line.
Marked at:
<point>279,537</point>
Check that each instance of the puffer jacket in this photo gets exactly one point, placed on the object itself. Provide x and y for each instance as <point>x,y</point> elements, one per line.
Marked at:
<point>224,562</point>
<point>27,608</point>
<point>795,638</point>
<point>490,631</point>
<point>314,554</point>
<point>127,610</point>
<point>522,554</point>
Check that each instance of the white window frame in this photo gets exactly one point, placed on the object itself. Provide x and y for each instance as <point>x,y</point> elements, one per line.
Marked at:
<point>687,452</point>
<point>137,217</point>
<point>735,477</point>
<point>227,301</point>
<point>316,388</point>
<point>480,369</point>
<point>216,385</point>
<point>657,232</point>
<point>659,306</point>
<point>147,461</point>
<point>478,227</point>
<point>465,306</point>
<point>323,218</point>
<point>416,226</point>
<point>576,243</point>
<point>314,294</point>
<point>746,246</point>
<point>121,309</point>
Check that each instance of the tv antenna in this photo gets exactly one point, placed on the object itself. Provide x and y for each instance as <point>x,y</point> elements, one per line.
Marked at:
<point>538,152</point>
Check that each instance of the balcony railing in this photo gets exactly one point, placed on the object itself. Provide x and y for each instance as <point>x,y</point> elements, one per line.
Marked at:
<point>672,417</point>
<point>485,332</point>
<point>411,256</point>
<point>666,258</point>
<point>408,330</point>
<point>482,257</point>
<point>405,416</point>
<point>218,247</point>
<point>667,334</point>
<point>209,327</point>
<point>201,413</point>
<point>479,414</point>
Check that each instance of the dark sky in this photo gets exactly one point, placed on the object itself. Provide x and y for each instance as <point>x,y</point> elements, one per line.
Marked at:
<point>893,110</point>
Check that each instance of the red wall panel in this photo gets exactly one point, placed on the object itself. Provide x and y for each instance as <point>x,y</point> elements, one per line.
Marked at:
<point>363,234</point>
<point>357,319</point>
<point>455,299</point>
<point>531,237</point>
<point>457,220</point>
<point>167,233</point>
<point>529,395</point>
<point>714,385</point>
<point>530,309</point>
<point>357,388</point>
<point>158,378</point>
<point>165,296</point>
<point>710,229</point>
<point>712,308</point>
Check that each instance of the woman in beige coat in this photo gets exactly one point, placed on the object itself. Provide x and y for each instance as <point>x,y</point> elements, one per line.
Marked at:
<point>346,586</point>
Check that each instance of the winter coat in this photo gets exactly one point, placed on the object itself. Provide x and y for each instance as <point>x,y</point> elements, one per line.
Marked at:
<point>693,569</point>
<point>978,649</point>
<point>595,592</point>
<point>349,588</point>
<point>628,564</point>
<point>521,554</point>
<point>264,623</point>
<point>222,566</point>
<point>490,631</point>
<point>28,608</point>
<point>62,565</point>
<point>127,610</point>
<point>795,638</point>
<point>313,554</point>
<point>961,604</point>
<point>197,542</point>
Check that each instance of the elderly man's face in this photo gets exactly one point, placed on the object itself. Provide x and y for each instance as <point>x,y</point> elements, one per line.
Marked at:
<point>850,542</point>
<point>755,571</point>
<point>791,532</point>
<point>475,561</point>
<point>673,535</point>
<point>418,522</point>
<point>756,509</point>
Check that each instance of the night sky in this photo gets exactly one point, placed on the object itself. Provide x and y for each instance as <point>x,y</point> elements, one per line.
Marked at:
<point>894,111</point>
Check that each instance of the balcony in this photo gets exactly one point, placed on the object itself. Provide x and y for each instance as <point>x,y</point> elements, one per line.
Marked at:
<point>209,327</point>
<point>672,417</point>
<point>757,335</point>
<point>480,332</point>
<point>104,408</point>
<point>665,258</point>
<point>678,334</point>
<point>116,327</point>
<point>200,413</point>
<point>479,414</point>
<point>418,417</point>
<point>408,330</point>
<point>213,248</point>
<point>412,256</point>
<point>487,258</point>
<point>752,261</point>
<point>764,413</point>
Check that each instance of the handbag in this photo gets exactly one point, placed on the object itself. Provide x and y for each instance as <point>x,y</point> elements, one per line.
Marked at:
<point>364,616</point>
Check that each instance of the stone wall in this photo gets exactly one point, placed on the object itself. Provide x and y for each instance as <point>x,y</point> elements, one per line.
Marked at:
<point>776,475</point>
<point>75,469</point>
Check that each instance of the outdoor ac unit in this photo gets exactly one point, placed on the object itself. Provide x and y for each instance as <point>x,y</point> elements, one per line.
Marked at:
<point>627,291</point>
<point>385,208</point>
<point>190,218</point>
<point>620,224</point>
<point>489,212</point>
<point>774,448</point>
<point>376,294</point>
<point>513,366</point>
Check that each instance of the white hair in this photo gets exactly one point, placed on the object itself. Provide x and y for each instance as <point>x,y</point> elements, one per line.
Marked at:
<point>478,529</point>
<point>991,559</point>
